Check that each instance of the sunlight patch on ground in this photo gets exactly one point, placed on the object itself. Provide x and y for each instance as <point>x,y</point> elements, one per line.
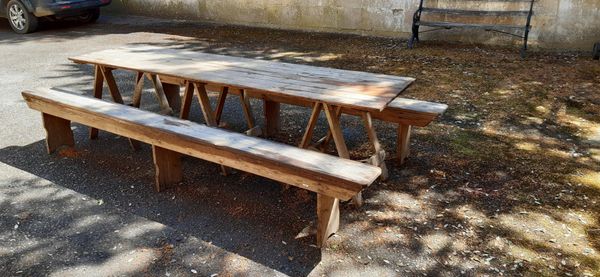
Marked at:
<point>595,154</point>
<point>545,233</point>
<point>89,222</point>
<point>140,229</point>
<point>122,264</point>
<point>527,146</point>
<point>494,129</point>
<point>589,178</point>
<point>437,241</point>
<point>587,130</point>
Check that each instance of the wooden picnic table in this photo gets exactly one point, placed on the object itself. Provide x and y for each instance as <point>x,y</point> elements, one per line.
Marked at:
<point>324,89</point>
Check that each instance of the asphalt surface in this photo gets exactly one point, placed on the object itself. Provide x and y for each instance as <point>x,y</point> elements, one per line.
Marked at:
<point>93,211</point>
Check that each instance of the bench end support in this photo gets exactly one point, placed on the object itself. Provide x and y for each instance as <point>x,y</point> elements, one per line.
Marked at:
<point>328,217</point>
<point>58,132</point>
<point>403,142</point>
<point>167,164</point>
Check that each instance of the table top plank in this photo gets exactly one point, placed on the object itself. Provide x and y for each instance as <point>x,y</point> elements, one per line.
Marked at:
<point>360,90</point>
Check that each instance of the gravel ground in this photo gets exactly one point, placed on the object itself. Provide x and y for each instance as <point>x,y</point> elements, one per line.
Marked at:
<point>507,182</point>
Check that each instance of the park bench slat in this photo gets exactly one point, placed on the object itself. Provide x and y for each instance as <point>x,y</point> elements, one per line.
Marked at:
<point>314,171</point>
<point>475,12</point>
<point>444,24</point>
<point>365,91</point>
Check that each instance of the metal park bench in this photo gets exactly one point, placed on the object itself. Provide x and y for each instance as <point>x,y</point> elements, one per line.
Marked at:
<point>442,17</point>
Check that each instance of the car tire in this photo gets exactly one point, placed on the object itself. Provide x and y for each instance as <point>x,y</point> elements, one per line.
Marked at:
<point>91,16</point>
<point>21,20</point>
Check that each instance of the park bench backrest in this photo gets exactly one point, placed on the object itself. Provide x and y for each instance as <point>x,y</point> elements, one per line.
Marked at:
<point>510,17</point>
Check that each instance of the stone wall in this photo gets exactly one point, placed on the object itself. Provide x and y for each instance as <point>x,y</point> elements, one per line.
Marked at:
<point>557,24</point>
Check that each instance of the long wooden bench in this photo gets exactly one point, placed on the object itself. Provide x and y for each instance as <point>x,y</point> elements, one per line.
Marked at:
<point>405,112</point>
<point>332,178</point>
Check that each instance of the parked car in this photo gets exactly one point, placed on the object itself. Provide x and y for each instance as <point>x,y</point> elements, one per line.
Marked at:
<point>23,15</point>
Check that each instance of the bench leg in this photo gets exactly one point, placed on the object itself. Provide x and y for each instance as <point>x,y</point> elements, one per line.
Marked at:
<point>328,217</point>
<point>160,94</point>
<point>172,92</point>
<point>378,159</point>
<point>312,122</point>
<point>272,118</point>
<point>403,142</point>
<point>104,74</point>
<point>253,130</point>
<point>323,142</point>
<point>167,164</point>
<point>58,132</point>
<point>112,84</point>
<point>188,94</point>
<point>221,104</point>
<point>137,92</point>
<point>335,130</point>
<point>98,86</point>
<point>207,112</point>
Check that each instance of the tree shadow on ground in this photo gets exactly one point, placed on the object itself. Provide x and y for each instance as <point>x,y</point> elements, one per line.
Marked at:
<point>502,183</point>
<point>240,213</point>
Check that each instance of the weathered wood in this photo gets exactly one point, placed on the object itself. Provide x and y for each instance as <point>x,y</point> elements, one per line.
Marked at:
<point>168,168</point>
<point>323,143</point>
<point>172,93</point>
<point>328,217</point>
<point>377,148</point>
<point>336,131</point>
<point>312,122</point>
<point>403,142</point>
<point>112,84</point>
<point>359,90</point>
<point>400,110</point>
<point>139,88</point>
<point>330,177</point>
<point>272,117</point>
<point>58,132</point>
<point>186,103</point>
<point>116,96</point>
<point>318,172</point>
<point>98,82</point>
<point>245,103</point>
<point>217,145</point>
<point>98,86</point>
<point>160,94</point>
<point>254,132</point>
<point>221,104</point>
<point>209,115</point>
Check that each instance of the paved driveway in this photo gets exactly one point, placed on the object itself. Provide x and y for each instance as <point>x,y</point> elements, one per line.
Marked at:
<point>93,211</point>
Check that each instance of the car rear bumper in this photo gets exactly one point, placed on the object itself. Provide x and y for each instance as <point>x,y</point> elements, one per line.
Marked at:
<point>65,8</point>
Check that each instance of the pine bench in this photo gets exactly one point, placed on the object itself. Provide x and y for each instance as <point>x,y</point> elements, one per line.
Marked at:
<point>332,178</point>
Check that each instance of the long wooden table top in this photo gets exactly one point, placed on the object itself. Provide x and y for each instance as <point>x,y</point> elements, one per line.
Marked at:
<point>359,90</point>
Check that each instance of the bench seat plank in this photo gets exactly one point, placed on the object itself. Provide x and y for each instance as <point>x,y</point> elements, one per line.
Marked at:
<point>417,106</point>
<point>314,171</point>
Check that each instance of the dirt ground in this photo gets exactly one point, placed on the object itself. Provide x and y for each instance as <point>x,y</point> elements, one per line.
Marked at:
<point>506,182</point>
